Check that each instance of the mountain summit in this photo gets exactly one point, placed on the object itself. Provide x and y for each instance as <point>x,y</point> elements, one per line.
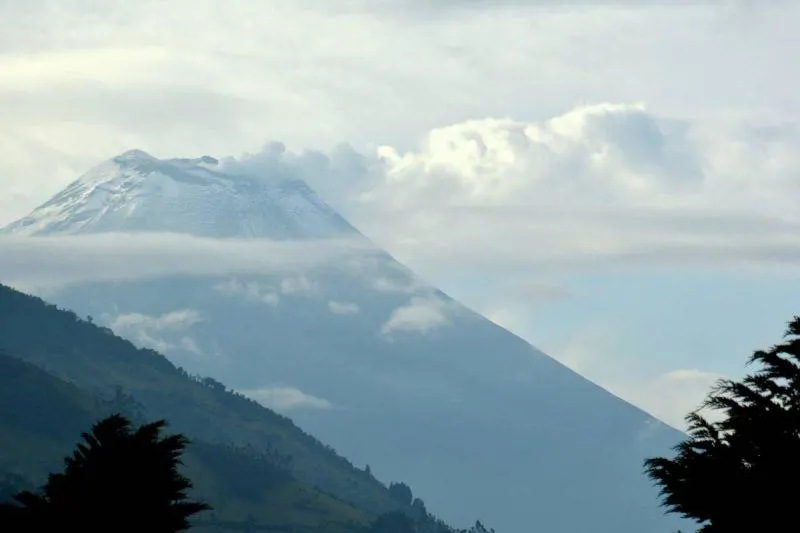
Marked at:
<point>385,368</point>
<point>135,191</point>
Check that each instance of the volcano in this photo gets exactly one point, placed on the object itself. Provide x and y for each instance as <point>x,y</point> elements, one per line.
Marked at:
<point>368,357</point>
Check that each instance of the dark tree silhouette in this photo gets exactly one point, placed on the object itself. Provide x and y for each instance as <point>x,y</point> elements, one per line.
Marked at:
<point>394,522</point>
<point>401,493</point>
<point>741,473</point>
<point>117,479</point>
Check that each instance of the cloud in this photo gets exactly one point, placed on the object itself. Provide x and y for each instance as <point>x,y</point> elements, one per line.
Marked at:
<point>286,398</point>
<point>43,262</point>
<point>190,345</point>
<point>599,187</point>
<point>156,332</point>
<point>172,321</point>
<point>420,315</point>
<point>590,348</point>
<point>299,285</point>
<point>390,285</point>
<point>533,292</point>
<point>79,82</point>
<point>251,291</point>
<point>596,188</point>
<point>434,5</point>
<point>600,350</point>
<point>673,395</point>
<point>343,308</point>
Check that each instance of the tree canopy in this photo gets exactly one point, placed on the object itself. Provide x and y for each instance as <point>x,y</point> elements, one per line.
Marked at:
<point>117,479</point>
<point>740,473</point>
<point>401,492</point>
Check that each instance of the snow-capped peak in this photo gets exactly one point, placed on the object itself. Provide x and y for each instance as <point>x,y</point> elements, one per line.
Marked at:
<point>135,192</point>
<point>133,155</point>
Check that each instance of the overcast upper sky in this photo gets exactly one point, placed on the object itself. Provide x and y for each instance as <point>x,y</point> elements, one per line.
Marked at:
<point>617,182</point>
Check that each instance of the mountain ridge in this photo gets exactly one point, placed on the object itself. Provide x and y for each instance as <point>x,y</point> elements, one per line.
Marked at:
<point>61,373</point>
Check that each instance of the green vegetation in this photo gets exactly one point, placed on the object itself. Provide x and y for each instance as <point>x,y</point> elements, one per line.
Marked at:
<point>41,416</point>
<point>116,474</point>
<point>738,474</point>
<point>259,472</point>
<point>401,492</point>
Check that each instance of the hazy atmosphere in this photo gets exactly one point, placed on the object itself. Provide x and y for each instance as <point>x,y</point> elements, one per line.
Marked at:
<point>594,176</point>
<point>614,182</point>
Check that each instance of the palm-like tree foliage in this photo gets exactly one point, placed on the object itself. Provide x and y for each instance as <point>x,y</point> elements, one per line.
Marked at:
<point>741,474</point>
<point>117,479</point>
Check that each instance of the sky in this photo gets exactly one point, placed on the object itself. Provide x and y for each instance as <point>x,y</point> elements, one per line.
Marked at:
<point>616,182</point>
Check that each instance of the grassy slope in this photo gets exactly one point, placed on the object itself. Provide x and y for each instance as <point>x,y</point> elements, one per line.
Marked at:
<point>41,418</point>
<point>95,360</point>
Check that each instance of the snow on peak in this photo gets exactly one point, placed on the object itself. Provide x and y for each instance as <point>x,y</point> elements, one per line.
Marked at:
<point>135,192</point>
<point>133,155</point>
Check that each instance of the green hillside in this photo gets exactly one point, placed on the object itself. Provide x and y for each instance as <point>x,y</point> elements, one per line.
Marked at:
<point>59,374</point>
<point>41,418</point>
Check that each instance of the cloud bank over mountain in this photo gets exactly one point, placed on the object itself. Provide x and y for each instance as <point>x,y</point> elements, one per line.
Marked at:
<point>599,186</point>
<point>602,186</point>
<point>80,81</point>
<point>47,262</point>
<point>556,183</point>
